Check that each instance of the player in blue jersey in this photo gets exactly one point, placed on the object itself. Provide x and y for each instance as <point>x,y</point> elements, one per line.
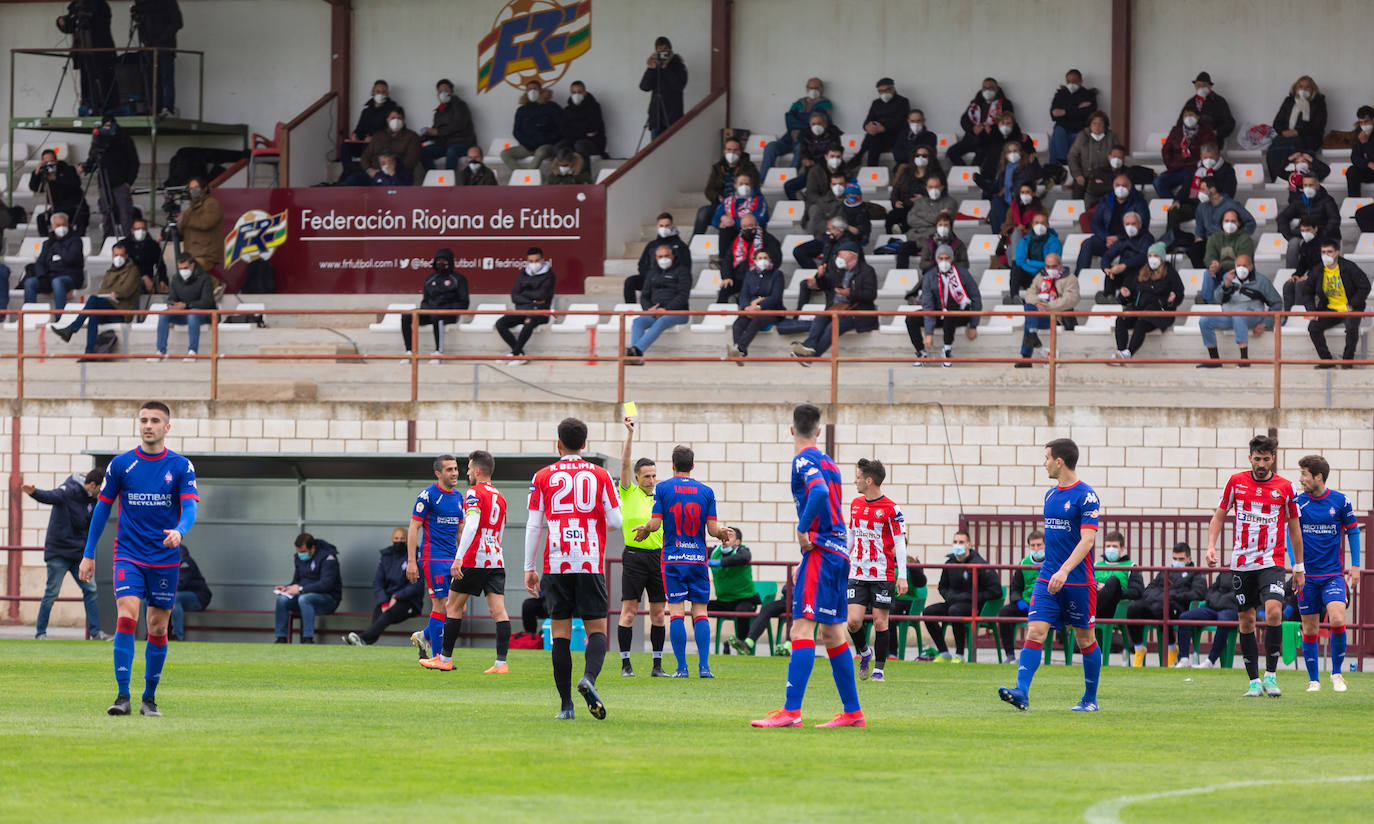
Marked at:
<point>1065,590</point>
<point>156,492</point>
<point>820,596</point>
<point>686,510</point>
<point>1325,515</point>
<point>439,512</point>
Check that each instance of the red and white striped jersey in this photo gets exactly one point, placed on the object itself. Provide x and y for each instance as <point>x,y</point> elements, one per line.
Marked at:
<point>488,506</point>
<point>877,537</point>
<point>1262,512</point>
<point>574,496</point>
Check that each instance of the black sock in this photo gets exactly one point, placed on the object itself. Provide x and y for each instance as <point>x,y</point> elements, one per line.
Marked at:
<point>657,635</point>
<point>502,639</point>
<point>452,628</point>
<point>1273,645</point>
<point>626,636</point>
<point>1249,650</point>
<point>880,644</point>
<point>562,670</point>
<point>857,638</point>
<point>596,655</point>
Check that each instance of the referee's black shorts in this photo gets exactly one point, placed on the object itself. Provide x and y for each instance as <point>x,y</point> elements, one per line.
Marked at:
<point>642,573</point>
<point>575,595</point>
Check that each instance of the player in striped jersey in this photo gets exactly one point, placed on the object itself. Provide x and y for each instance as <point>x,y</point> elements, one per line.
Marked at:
<point>877,548</point>
<point>480,569</point>
<point>1264,505</point>
<point>1326,515</point>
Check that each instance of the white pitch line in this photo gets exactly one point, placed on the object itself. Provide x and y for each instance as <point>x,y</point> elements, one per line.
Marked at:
<point>1106,812</point>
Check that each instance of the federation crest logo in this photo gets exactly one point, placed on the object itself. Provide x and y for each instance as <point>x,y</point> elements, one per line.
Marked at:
<point>533,40</point>
<point>255,236</point>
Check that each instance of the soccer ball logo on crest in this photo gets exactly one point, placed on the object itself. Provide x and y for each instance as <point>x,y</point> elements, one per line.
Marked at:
<point>550,36</point>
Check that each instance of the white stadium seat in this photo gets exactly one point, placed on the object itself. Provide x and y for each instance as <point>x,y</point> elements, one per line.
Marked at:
<point>1249,175</point>
<point>897,324</point>
<point>1352,204</point>
<point>611,325</point>
<point>777,176</point>
<point>973,211</point>
<point>872,177</point>
<point>714,323</point>
<point>576,323</point>
<point>898,282</point>
<point>496,147</point>
<point>526,177</point>
<point>993,284</point>
<point>1363,252</point>
<point>785,212</point>
<point>981,248</point>
<point>704,246</point>
<point>1099,324</point>
<point>1271,245</point>
<point>28,252</point>
<point>33,321</point>
<point>790,242</point>
<point>1189,326</point>
<point>1154,143</point>
<point>483,323</point>
<point>1281,277</point>
<point>961,178</point>
<point>1072,244</point>
<point>1065,213</point>
<point>105,258</point>
<point>1262,209</point>
<point>1040,140</point>
<point>391,321</point>
<point>1159,208</point>
<point>1192,281</point>
<point>708,283</point>
<point>851,141</point>
<point>439,177</point>
<point>757,143</point>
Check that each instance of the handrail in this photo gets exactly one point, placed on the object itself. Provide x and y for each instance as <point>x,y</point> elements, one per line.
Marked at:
<point>311,109</point>
<point>232,170</point>
<point>663,137</point>
<point>284,148</point>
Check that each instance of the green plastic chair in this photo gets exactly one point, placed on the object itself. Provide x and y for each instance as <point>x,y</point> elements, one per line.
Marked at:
<point>986,609</point>
<point>1228,653</point>
<point>917,599</point>
<point>1292,641</point>
<point>767,590</point>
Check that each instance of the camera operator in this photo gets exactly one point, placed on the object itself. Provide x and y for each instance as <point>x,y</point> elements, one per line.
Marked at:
<point>201,227</point>
<point>665,78</point>
<point>61,188</point>
<point>114,160</point>
<point>88,22</point>
<point>158,22</point>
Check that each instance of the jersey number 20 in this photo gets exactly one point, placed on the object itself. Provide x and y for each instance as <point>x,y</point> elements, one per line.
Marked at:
<point>580,487</point>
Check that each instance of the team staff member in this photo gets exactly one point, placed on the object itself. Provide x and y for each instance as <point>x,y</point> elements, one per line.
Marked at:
<point>642,569</point>
<point>734,580</point>
<point>71,503</point>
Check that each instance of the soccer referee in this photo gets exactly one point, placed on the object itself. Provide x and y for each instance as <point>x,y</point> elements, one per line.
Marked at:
<point>642,570</point>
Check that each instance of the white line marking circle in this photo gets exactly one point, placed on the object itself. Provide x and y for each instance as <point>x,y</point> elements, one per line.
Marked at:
<point>1106,812</point>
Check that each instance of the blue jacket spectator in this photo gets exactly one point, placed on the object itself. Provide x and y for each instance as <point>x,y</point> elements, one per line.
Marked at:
<point>68,523</point>
<point>315,587</point>
<point>60,267</point>
<point>734,206</point>
<point>538,123</point>
<point>394,598</point>
<point>1031,250</point>
<point>1108,218</point>
<point>320,572</point>
<point>1129,251</point>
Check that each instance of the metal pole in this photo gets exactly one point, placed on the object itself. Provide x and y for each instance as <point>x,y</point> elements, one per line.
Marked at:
<point>214,355</point>
<point>834,365</point>
<point>1164,624</point>
<point>1278,357</point>
<point>16,557</point>
<point>414,361</point>
<point>19,358</point>
<point>973,625</point>
<point>620,363</point>
<point>1054,350</point>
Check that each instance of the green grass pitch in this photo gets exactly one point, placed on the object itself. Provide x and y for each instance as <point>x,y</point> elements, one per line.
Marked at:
<point>256,732</point>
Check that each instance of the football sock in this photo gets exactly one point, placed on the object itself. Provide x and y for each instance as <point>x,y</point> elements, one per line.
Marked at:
<point>434,631</point>
<point>857,639</point>
<point>656,637</point>
<point>1273,645</point>
<point>626,636</point>
<point>701,628</point>
<point>677,633</point>
<point>562,670</point>
<point>799,672</point>
<point>881,641</point>
<point>842,669</point>
<point>1338,649</point>
<point>502,640</point>
<point>1031,654</point>
<point>452,628</point>
<point>1092,669</point>
<point>1249,650</point>
<point>595,655</point>
<point>1309,655</point>
<point>124,652</point>
<point>154,656</point>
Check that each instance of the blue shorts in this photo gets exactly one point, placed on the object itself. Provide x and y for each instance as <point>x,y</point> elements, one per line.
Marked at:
<point>437,574</point>
<point>1074,605</point>
<point>821,593</point>
<point>1318,592</point>
<point>156,585</point>
<point>687,582</point>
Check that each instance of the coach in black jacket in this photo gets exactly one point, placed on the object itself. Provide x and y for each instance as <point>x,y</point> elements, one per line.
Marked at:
<point>193,593</point>
<point>956,587</point>
<point>315,587</point>
<point>68,522</point>
<point>446,288</point>
<point>396,599</point>
<point>667,287</point>
<point>533,289</point>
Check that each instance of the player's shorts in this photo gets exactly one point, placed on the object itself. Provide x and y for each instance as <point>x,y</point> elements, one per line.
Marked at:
<point>437,572</point>
<point>480,581</point>
<point>642,573</point>
<point>156,585</point>
<point>872,594</point>
<point>687,582</point>
<point>1318,592</point>
<point>1073,605</point>
<point>575,595</point>
<point>822,588</point>
<point>1255,586</point>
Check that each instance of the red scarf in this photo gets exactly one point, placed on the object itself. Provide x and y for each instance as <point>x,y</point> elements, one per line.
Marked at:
<point>751,204</point>
<point>994,111</point>
<point>1199,175</point>
<point>739,250</point>
<point>1048,290</point>
<point>1295,181</point>
<point>951,286</point>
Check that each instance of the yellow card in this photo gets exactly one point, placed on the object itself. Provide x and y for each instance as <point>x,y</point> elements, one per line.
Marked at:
<point>630,409</point>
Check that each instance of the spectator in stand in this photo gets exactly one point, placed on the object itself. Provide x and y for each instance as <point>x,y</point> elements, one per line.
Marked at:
<point>667,288</point>
<point>445,288</point>
<point>193,593</point>
<point>1109,220</point>
<point>1211,107</point>
<point>146,254</point>
<point>925,250</point>
<point>814,184</point>
<point>909,183</point>
<point>1300,124</point>
<point>372,118</point>
<point>115,160</point>
<point>946,288</point>
<point>1052,290</point>
<point>1019,593</point>
<point>1220,607</point>
<point>61,188</point>
<point>1304,251</point>
<point>536,127</point>
<point>582,128</point>
<point>797,123</point>
<point>1017,168</point>
<point>845,202</point>
<point>920,218</point>
<point>1315,202</point>
<point>1224,248</point>
<point>533,291</point>
<point>158,22</point>
<point>388,174</point>
<point>915,137</point>
<point>1300,164</point>
<point>1116,578</point>
<point>63,543</point>
<point>1211,166</point>
<point>1336,285</point>
<point>743,200</point>
<point>956,587</point>
<point>475,172</point>
<point>733,162</point>
<point>1031,251</point>
<point>734,581</point>
<point>995,148</point>
<point>1181,152</point>
<point>1021,212</point>
<point>811,151</point>
<point>1242,290</point>
<point>1072,107</point>
<point>118,290</point>
<point>190,289</point>
<point>851,287</point>
<point>744,245</point>
<point>1184,587</point>
<point>665,76</point>
<point>979,123</point>
<point>819,254</point>
<point>395,597</point>
<point>395,139</point>
<point>1090,159</point>
<point>665,235</point>
<point>885,122</point>
<point>761,290</point>
<point>569,169</point>
<point>60,267</point>
<point>1124,258</point>
<point>452,132</point>
<point>315,587</point>
<point>1212,203</point>
<point>1361,168</point>
<point>201,225</point>
<point>1152,286</point>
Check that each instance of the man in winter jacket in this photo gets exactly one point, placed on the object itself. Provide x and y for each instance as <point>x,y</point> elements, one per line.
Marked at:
<point>118,290</point>
<point>452,131</point>
<point>733,162</point>
<point>68,523</point>
<point>446,288</point>
<point>395,598</point>
<point>115,160</point>
<point>1184,588</point>
<point>1070,110</point>
<point>581,126</point>
<point>920,218</point>
<point>201,225</point>
<point>1053,289</point>
<point>533,290</point>
<point>536,127</point>
<point>190,289</point>
<point>146,253</point>
<point>945,287</point>
<point>475,172</point>
<point>665,77</point>
<point>397,139</point>
<point>1222,251</point>
<point>667,288</point>
<point>980,124</point>
<point>1240,289</point>
<point>1211,107</point>
<point>956,587</point>
<point>884,123</point>
<point>916,136</point>
<point>1221,607</point>
<point>797,122</point>
<point>1125,256</point>
<point>60,267</point>
<point>569,169</point>
<point>315,589</point>
<point>761,289</point>
<point>1109,224</point>
<point>1313,201</point>
<point>665,234</point>
<point>193,593</point>
<point>852,286</point>
<point>62,191</point>
<point>1335,285</point>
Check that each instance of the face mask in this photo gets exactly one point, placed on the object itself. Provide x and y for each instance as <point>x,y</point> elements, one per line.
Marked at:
<point>747,234</point>
<point>813,94</point>
<point>140,234</point>
<point>562,170</point>
<point>397,124</point>
<point>886,97</point>
<point>474,164</point>
<point>732,158</point>
<point>1307,236</point>
<point>1132,230</point>
<point>942,231</point>
<point>1115,162</point>
<point>1112,554</point>
<point>1242,272</point>
<point>59,231</point>
<point>1230,227</point>
<point>442,265</point>
<point>577,98</point>
<point>1303,167</point>
<point>840,264</point>
<point>185,273</point>
<point>1304,94</point>
<point>958,550</point>
<point>1052,271</point>
<point>1367,127</point>
<point>833,162</point>
<point>763,264</point>
<point>933,194</point>
<point>1038,555</point>
<point>1122,192</point>
<point>1013,157</point>
<point>398,545</point>
<point>1072,87</point>
<point>1154,261</point>
<point>445,97</point>
<point>378,99</point>
<point>1005,130</point>
<point>1209,163</point>
<point>1040,229</point>
<point>532,95</point>
<point>1026,199</point>
<point>118,261</point>
<point>920,160</point>
<point>837,188</point>
<point>989,94</point>
<point>1097,135</point>
<point>195,193</point>
<point>1310,191</point>
<point>667,231</point>
<point>107,130</point>
<point>1204,91</point>
<point>1328,261</point>
<point>665,262</point>
<point>817,129</point>
<point>1178,563</point>
<point>532,268</point>
<point>1190,122</point>
<point>743,191</point>
<point>916,128</point>
<point>944,265</point>
<point>304,556</point>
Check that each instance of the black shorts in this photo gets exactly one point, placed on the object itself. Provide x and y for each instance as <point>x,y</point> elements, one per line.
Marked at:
<point>480,581</point>
<point>1255,586</point>
<point>872,594</point>
<point>575,595</point>
<point>642,573</point>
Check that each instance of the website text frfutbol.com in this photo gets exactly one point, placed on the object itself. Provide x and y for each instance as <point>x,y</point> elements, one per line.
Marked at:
<point>421,264</point>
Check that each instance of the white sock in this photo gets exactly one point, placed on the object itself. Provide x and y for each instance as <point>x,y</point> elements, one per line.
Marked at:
<point>444,658</point>
<point>500,662</point>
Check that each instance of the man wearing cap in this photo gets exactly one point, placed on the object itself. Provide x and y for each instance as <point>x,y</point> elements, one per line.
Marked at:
<point>946,288</point>
<point>884,122</point>
<point>851,287</point>
<point>1211,106</point>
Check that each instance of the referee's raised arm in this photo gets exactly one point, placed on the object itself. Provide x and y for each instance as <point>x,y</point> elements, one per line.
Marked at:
<point>626,459</point>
